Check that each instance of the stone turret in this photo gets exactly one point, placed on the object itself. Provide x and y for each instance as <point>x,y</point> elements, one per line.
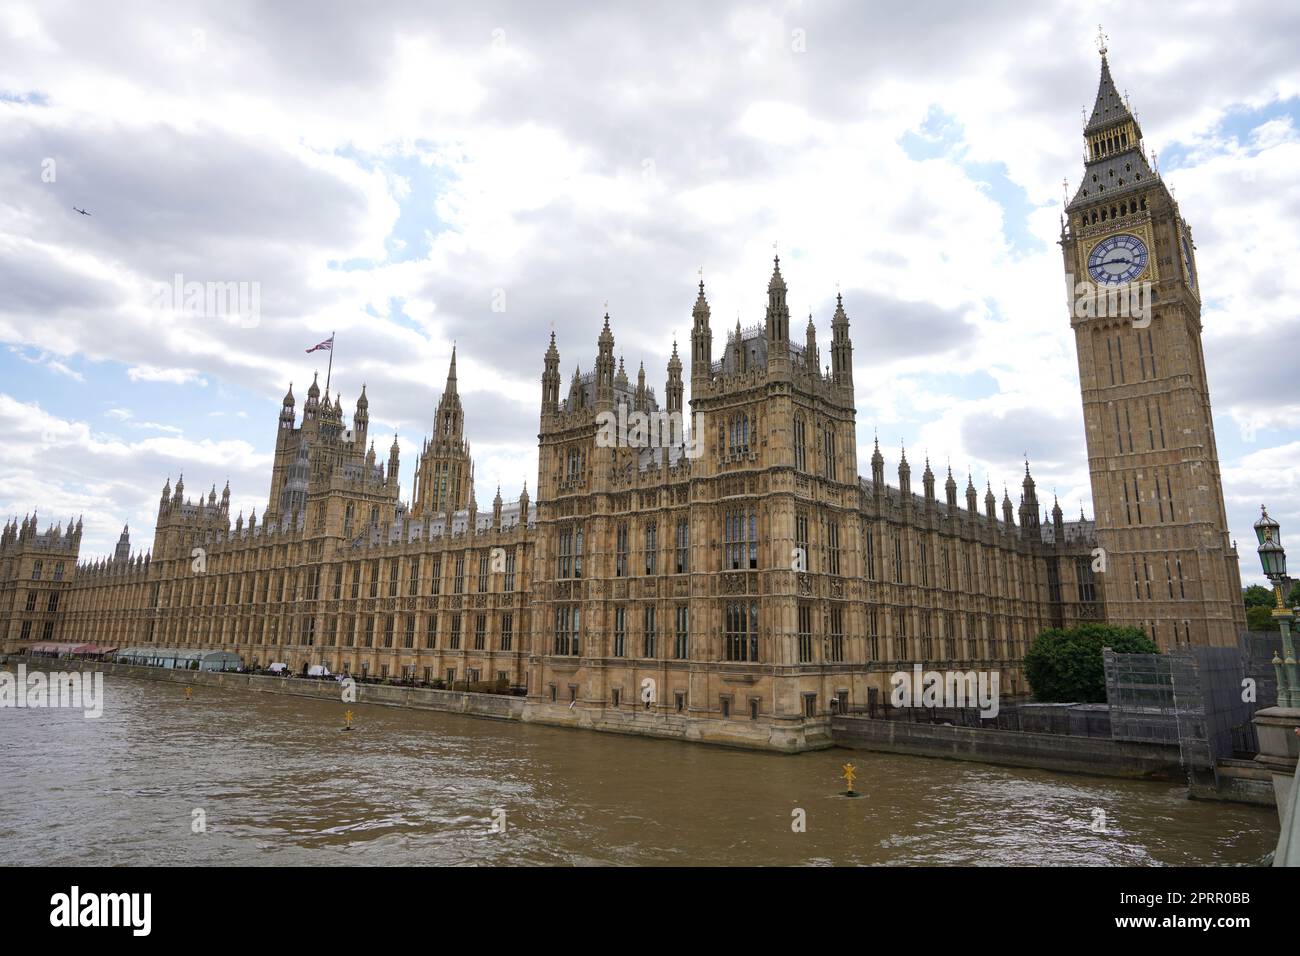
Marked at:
<point>778,313</point>
<point>701,340</point>
<point>551,379</point>
<point>675,388</point>
<point>841,346</point>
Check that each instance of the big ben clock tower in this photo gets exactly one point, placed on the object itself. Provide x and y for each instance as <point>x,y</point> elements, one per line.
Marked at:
<point>1170,567</point>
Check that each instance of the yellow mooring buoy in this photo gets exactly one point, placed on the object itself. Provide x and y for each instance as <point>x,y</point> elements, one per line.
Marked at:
<point>849,774</point>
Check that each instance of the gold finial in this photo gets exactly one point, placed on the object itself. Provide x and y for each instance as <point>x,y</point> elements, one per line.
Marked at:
<point>1101,40</point>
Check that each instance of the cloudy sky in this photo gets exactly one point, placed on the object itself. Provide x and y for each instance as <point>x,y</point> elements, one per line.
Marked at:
<point>409,175</point>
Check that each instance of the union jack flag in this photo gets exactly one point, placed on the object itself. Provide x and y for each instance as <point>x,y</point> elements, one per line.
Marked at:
<point>327,345</point>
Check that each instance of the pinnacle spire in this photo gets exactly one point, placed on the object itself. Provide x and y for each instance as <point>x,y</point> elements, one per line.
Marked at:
<point>777,281</point>
<point>701,310</point>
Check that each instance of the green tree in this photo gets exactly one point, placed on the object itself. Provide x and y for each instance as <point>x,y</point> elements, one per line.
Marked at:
<point>1258,596</point>
<point>1064,665</point>
<point>1293,596</point>
<point>1260,619</point>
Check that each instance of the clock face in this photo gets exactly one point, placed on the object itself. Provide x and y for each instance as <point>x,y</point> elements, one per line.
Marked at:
<point>1117,259</point>
<point>1187,262</point>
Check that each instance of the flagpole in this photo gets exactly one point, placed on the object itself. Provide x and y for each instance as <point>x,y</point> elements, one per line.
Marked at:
<point>331,365</point>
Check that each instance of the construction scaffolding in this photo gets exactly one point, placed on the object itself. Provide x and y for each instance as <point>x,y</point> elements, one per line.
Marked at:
<point>1192,697</point>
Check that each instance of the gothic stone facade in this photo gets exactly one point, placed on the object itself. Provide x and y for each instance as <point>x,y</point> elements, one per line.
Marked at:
<point>739,589</point>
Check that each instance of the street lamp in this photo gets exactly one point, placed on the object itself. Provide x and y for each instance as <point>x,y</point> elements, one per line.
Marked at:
<point>1272,556</point>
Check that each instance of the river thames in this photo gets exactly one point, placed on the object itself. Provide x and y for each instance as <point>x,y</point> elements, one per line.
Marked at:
<point>270,779</point>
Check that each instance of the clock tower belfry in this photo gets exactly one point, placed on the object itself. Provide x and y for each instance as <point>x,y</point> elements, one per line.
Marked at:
<point>1168,563</point>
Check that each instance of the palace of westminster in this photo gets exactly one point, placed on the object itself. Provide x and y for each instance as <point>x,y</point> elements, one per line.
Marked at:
<point>740,593</point>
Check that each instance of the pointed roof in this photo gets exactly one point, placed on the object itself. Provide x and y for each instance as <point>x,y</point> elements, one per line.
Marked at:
<point>1110,107</point>
<point>701,310</point>
<point>451,372</point>
<point>1119,170</point>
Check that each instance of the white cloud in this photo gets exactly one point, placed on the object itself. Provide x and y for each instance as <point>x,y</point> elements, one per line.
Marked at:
<point>49,361</point>
<point>176,376</point>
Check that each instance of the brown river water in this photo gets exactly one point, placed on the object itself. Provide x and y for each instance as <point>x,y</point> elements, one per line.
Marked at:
<point>278,781</point>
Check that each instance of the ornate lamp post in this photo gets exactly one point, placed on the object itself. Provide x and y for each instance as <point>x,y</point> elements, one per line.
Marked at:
<point>1272,556</point>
